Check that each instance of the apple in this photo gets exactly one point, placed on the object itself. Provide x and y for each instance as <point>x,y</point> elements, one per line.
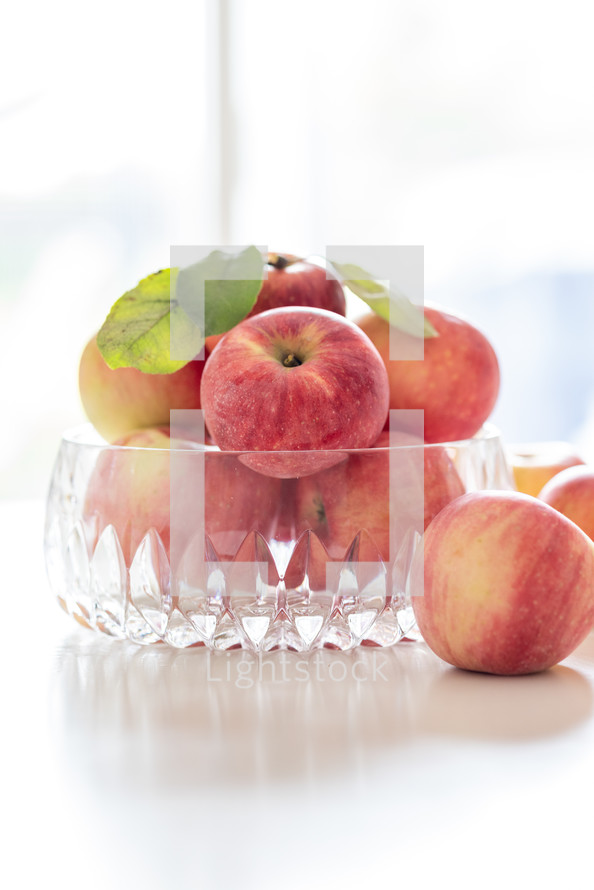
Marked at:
<point>533,464</point>
<point>355,495</point>
<point>508,584</point>
<point>118,401</point>
<point>130,490</point>
<point>571,492</point>
<point>294,379</point>
<point>456,384</point>
<point>293,281</point>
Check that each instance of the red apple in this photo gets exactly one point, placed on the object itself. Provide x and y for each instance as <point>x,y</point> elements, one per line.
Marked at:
<point>572,493</point>
<point>294,380</point>
<point>121,400</point>
<point>339,502</point>
<point>130,490</point>
<point>293,281</point>
<point>508,584</point>
<point>456,384</point>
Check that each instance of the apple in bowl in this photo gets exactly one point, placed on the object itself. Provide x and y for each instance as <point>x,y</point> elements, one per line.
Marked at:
<point>457,382</point>
<point>294,381</point>
<point>384,492</point>
<point>121,400</point>
<point>293,281</point>
<point>131,489</point>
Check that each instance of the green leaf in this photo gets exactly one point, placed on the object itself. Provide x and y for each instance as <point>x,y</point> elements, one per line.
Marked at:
<point>137,331</point>
<point>219,291</point>
<point>392,305</point>
<point>165,307</point>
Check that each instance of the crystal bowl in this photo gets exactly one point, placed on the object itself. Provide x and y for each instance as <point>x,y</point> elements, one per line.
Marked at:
<point>185,545</point>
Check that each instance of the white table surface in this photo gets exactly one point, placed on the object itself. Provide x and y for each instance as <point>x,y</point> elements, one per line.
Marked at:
<point>125,765</point>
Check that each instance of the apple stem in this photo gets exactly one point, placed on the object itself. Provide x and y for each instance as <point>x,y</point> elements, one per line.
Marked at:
<point>281,260</point>
<point>291,361</point>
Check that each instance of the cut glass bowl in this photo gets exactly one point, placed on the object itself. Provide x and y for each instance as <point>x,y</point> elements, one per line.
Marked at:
<point>191,546</point>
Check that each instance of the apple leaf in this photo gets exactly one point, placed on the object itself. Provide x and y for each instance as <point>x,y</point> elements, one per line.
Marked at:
<point>390,304</point>
<point>138,331</point>
<point>230,284</point>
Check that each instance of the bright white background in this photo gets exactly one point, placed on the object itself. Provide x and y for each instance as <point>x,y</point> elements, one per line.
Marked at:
<point>466,129</point>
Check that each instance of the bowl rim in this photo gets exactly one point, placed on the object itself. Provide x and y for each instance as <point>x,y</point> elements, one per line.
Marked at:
<point>86,436</point>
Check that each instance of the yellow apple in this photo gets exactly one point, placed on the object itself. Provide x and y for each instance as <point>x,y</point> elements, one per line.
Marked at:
<point>125,399</point>
<point>534,463</point>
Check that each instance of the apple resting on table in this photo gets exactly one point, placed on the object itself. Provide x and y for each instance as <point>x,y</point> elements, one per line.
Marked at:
<point>130,490</point>
<point>355,495</point>
<point>456,383</point>
<point>294,380</point>
<point>508,584</point>
<point>533,464</point>
<point>571,492</point>
<point>122,400</point>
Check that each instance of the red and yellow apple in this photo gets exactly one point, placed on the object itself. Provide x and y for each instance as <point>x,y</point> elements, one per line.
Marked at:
<point>118,401</point>
<point>382,492</point>
<point>457,382</point>
<point>571,492</point>
<point>294,380</point>
<point>508,584</point>
<point>130,489</point>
